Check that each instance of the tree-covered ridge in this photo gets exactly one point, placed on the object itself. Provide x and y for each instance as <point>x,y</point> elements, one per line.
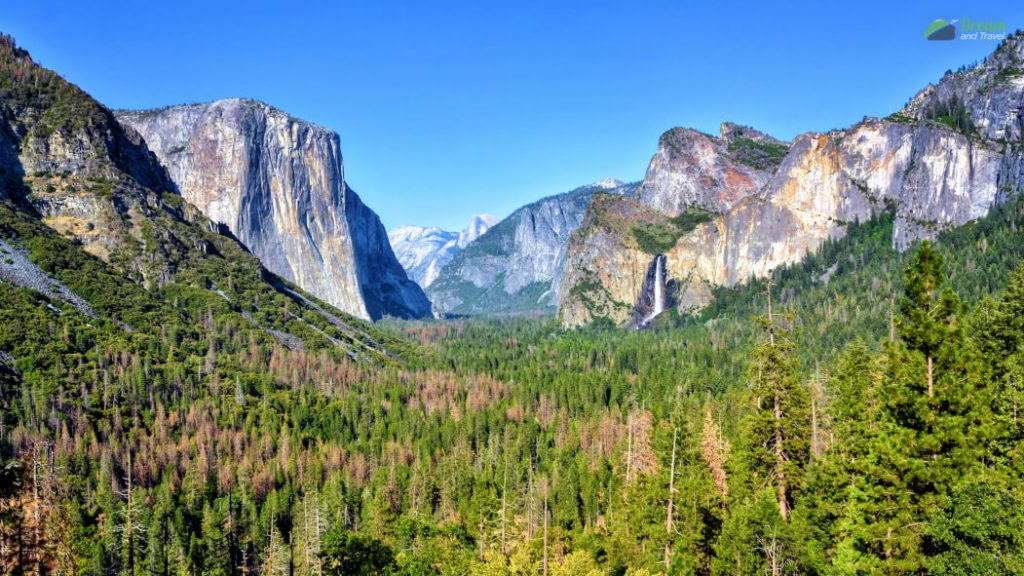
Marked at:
<point>24,84</point>
<point>661,237</point>
<point>761,154</point>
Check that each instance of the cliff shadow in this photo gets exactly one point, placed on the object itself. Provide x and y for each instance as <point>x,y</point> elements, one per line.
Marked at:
<point>12,173</point>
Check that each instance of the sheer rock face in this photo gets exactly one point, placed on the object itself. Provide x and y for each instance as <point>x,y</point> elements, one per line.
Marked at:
<point>933,176</point>
<point>691,169</point>
<point>518,264</point>
<point>278,184</point>
<point>386,289</point>
<point>67,163</point>
<point>935,179</point>
<point>605,269</point>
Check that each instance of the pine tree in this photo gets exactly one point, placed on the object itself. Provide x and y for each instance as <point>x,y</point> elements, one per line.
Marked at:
<point>932,425</point>
<point>778,431</point>
<point>924,322</point>
<point>844,486</point>
<point>998,329</point>
<point>934,394</point>
<point>978,528</point>
<point>756,540</point>
<point>217,554</point>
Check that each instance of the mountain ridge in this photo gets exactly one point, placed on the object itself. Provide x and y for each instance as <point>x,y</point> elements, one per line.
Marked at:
<point>87,210</point>
<point>939,167</point>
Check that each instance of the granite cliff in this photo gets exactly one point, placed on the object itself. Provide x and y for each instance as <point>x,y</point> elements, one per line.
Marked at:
<point>278,184</point>
<point>693,169</point>
<point>943,160</point>
<point>86,206</point>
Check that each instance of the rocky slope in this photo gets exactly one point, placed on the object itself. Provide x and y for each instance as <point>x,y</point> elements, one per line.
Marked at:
<point>517,265</point>
<point>424,251</point>
<point>278,184</point>
<point>945,159</point>
<point>77,182</point>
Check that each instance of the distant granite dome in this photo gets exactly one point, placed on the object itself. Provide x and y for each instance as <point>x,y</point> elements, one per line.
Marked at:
<point>478,225</point>
<point>278,184</point>
<point>423,251</point>
<point>607,183</point>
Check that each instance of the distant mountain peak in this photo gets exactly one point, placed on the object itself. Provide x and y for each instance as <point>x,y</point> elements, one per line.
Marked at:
<point>608,183</point>
<point>478,224</point>
<point>424,250</point>
<point>488,219</point>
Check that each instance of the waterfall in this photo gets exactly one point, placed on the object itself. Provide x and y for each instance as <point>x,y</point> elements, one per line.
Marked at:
<point>659,289</point>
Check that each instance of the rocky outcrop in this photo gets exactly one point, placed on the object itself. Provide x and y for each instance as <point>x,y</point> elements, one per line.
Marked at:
<point>990,94</point>
<point>518,264</point>
<point>18,269</point>
<point>64,158</point>
<point>424,251</point>
<point>935,169</point>
<point>606,269</point>
<point>278,184</point>
<point>693,169</point>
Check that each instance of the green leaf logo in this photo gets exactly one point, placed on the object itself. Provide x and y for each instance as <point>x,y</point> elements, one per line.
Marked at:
<point>940,30</point>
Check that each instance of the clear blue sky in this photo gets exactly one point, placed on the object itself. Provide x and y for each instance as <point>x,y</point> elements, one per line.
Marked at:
<point>447,109</point>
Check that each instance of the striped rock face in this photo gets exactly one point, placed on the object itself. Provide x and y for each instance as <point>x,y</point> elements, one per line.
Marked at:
<point>278,183</point>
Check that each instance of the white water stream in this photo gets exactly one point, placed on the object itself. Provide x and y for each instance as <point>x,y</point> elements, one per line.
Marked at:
<point>659,289</point>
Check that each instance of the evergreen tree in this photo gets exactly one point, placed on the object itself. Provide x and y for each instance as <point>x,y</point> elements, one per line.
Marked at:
<point>778,431</point>
<point>998,329</point>
<point>757,540</point>
<point>977,529</point>
<point>347,553</point>
<point>217,553</point>
<point>935,397</point>
<point>933,425</point>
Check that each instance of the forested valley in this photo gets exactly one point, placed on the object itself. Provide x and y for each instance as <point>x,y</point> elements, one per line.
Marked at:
<point>170,406</point>
<point>857,413</point>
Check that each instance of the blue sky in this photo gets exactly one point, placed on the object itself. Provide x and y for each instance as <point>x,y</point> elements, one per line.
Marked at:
<point>446,109</point>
